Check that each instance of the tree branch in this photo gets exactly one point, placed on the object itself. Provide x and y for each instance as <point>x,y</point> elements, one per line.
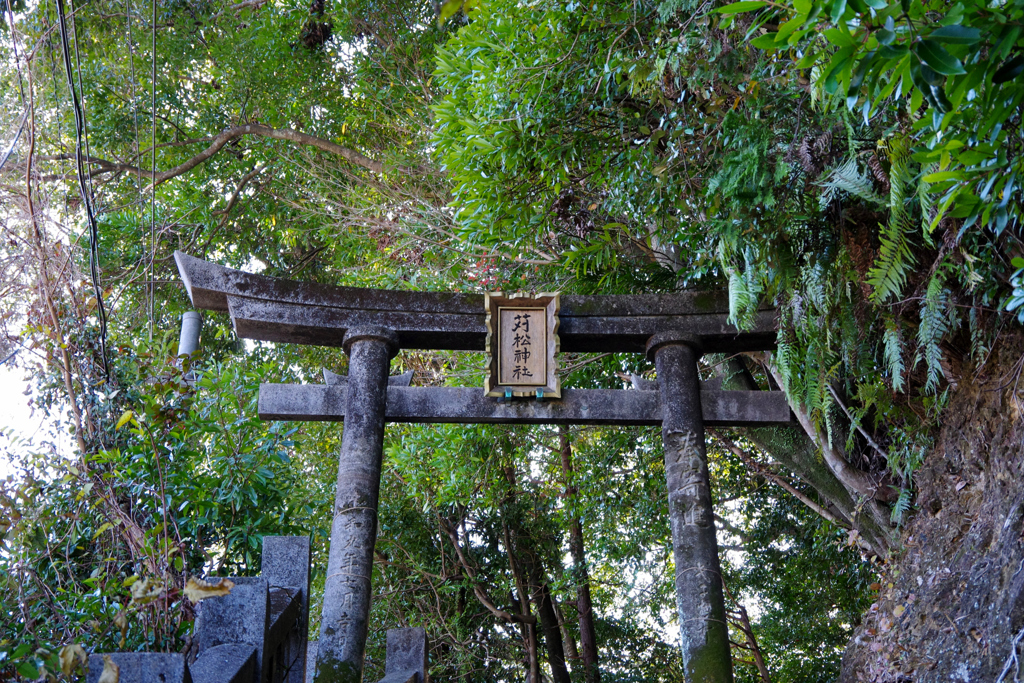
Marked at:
<point>224,137</point>
<point>478,590</point>
<point>776,479</point>
<point>856,423</point>
<point>853,479</point>
<point>238,190</point>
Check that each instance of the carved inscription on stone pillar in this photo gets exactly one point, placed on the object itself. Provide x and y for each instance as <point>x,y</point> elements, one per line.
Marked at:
<point>689,491</point>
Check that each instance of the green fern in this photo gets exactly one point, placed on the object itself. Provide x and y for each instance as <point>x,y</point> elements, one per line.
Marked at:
<point>744,293</point>
<point>895,258</point>
<point>979,335</point>
<point>935,324</point>
<point>901,506</point>
<point>926,200</point>
<point>848,178</point>
<point>892,347</point>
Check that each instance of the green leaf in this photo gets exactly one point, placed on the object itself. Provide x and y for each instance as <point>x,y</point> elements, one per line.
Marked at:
<point>943,175</point>
<point>765,42</point>
<point>939,99</point>
<point>892,51</point>
<point>103,527</point>
<point>936,57</point>
<point>787,29</point>
<point>832,73</point>
<point>128,415</point>
<point>1010,69</point>
<point>884,36</point>
<point>1017,262</point>
<point>448,10</point>
<point>28,670</point>
<point>956,35</point>
<point>858,78</point>
<point>740,7</point>
<point>836,10</point>
<point>839,37</point>
<point>808,60</point>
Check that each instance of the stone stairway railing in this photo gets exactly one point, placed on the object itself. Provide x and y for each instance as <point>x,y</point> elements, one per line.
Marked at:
<point>258,633</point>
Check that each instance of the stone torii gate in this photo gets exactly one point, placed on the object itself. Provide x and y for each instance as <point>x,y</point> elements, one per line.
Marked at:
<point>373,325</point>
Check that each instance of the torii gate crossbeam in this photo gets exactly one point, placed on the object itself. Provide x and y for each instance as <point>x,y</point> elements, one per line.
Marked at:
<point>373,325</point>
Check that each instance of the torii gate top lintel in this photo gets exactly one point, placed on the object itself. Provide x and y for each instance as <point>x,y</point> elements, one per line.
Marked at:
<point>286,311</point>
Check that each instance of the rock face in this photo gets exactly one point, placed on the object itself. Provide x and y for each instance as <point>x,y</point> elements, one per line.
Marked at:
<point>951,605</point>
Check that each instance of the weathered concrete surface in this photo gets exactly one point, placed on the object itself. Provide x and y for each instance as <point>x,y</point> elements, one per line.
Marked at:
<point>406,655</point>
<point>317,402</point>
<point>231,663</point>
<point>307,313</point>
<point>241,616</point>
<point>698,579</point>
<point>311,649</point>
<point>403,380</point>
<point>347,588</point>
<point>286,568</point>
<point>143,667</point>
<point>402,677</point>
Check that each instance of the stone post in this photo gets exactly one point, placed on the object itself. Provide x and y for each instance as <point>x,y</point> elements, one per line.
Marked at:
<point>704,632</point>
<point>191,324</point>
<point>347,591</point>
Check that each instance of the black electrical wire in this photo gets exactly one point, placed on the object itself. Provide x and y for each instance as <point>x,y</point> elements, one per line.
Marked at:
<point>17,60</point>
<point>21,87</point>
<point>85,104</point>
<point>14,145</point>
<point>83,187</point>
<point>57,104</point>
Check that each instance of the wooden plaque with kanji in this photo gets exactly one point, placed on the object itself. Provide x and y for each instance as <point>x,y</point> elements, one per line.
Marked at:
<point>522,340</point>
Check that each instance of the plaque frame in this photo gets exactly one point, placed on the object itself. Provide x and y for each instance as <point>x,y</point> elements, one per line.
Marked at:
<point>551,387</point>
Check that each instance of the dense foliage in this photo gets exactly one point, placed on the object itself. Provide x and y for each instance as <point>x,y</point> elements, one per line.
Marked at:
<point>855,163</point>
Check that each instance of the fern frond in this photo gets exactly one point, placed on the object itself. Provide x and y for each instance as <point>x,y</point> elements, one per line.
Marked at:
<point>783,359</point>
<point>895,258</point>
<point>979,335</point>
<point>744,291</point>
<point>892,347</point>
<point>829,415</point>
<point>849,178</point>
<point>740,299</point>
<point>894,262</point>
<point>901,506</point>
<point>935,324</point>
<point>926,200</point>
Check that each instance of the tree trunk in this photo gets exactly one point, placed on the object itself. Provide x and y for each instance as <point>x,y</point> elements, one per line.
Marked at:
<point>584,606</point>
<point>755,649</point>
<point>741,620</point>
<point>549,622</point>
<point>795,449</point>
<point>529,631</point>
<point>568,639</point>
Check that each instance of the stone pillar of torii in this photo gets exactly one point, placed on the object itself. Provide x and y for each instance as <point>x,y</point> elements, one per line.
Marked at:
<point>372,326</point>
